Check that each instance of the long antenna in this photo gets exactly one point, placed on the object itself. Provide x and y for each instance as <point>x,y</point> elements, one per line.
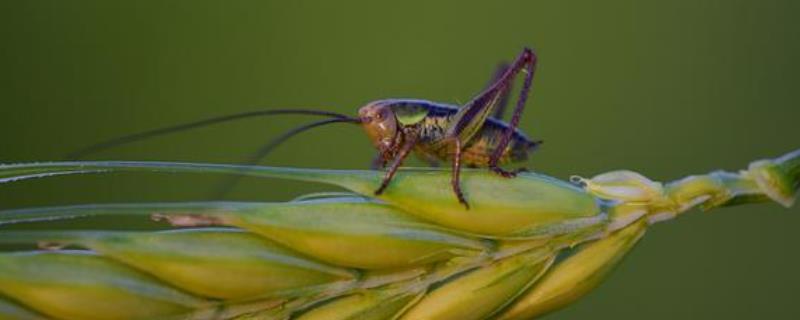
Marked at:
<point>192,125</point>
<point>265,150</point>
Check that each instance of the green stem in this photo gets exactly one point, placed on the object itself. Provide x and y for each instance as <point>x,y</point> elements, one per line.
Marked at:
<point>779,179</point>
<point>790,163</point>
<point>118,209</point>
<point>349,179</point>
<point>16,172</point>
<point>764,180</point>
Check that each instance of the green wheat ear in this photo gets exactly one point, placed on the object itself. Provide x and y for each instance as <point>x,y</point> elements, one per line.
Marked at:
<point>527,246</point>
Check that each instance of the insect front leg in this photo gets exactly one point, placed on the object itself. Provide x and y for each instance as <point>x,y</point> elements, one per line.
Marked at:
<point>410,141</point>
<point>455,181</point>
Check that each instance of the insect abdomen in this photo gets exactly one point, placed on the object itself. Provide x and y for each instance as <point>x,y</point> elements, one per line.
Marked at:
<point>479,148</point>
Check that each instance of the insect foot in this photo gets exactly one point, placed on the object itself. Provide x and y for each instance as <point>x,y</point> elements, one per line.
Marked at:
<point>504,173</point>
<point>461,199</point>
<point>380,189</point>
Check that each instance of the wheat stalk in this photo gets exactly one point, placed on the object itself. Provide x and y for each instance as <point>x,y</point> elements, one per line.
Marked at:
<point>412,253</point>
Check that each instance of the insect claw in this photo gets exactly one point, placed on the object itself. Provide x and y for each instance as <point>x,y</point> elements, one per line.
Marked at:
<point>504,173</point>
<point>380,189</point>
<point>464,202</point>
<point>460,197</point>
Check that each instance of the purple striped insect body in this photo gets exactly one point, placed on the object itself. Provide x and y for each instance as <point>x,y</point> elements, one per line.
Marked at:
<point>472,135</point>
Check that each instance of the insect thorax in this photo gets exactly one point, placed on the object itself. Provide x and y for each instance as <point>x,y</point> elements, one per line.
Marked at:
<point>432,129</point>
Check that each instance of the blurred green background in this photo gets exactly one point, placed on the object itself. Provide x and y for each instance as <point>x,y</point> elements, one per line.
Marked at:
<point>667,88</point>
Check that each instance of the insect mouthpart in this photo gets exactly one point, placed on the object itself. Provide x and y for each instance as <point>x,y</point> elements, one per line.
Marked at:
<point>380,125</point>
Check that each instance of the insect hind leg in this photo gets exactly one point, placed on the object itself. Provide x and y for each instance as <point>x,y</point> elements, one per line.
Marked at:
<point>504,94</point>
<point>525,63</point>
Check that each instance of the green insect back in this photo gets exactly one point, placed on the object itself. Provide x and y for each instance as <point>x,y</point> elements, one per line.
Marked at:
<point>410,112</point>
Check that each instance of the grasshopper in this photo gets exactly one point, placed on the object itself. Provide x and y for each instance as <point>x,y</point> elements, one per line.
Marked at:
<point>472,135</point>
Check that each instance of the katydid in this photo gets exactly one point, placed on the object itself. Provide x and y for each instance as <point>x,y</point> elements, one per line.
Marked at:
<point>471,135</point>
